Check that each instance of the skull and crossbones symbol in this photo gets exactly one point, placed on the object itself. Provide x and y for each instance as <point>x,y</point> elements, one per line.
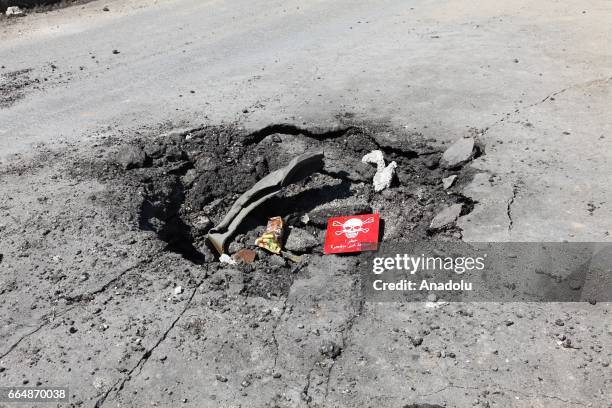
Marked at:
<point>352,227</point>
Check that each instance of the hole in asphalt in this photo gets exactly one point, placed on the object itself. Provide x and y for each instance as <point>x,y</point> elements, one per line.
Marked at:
<point>190,179</point>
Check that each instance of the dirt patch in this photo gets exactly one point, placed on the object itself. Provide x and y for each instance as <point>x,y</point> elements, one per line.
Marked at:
<point>13,86</point>
<point>186,181</point>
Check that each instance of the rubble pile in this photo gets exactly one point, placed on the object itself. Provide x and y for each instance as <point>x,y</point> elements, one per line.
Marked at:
<point>259,203</point>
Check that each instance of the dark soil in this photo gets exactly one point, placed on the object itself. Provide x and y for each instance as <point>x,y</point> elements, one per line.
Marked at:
<point>186,181</point>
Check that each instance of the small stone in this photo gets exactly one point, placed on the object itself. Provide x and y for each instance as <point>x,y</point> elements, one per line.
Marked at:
<point>448,182</point>
<point>245,255</point>
<point>276,375</point>
<point>416,341</point>
<point>300,241</point>
<point>163,357</point>
<point>458,153</point>
<point>221,378</point>
<point>277,260</point>
<point>178,290</point>
<point>508,323</point>
<point>330,349</point>
<point>105,8</point>
<point>432,162</point>
<point>115,52</point>
<point>559,322</point>
<point>202,223</point>
<point>72,330</point>
<point>234,247</point>
<point>226,259</point>
<point>446,217</point>
<point>132,157</point>
<point>14,11</point>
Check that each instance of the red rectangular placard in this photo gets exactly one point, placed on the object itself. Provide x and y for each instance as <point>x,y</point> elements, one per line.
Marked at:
<point>353,233</point>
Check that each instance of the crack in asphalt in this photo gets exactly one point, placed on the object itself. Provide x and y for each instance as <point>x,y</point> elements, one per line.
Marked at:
<point>359,303</point>
<point>53,315</point>
<point>274,339</point>
<point>119,385</point>
<point>515,191</point>
<point>524,394</point>
<point>305,397</point>
<point>88,296</point>
<point>548,97</point>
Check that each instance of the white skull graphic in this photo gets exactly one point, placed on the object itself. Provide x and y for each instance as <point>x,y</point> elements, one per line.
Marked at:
<point>352,227</point>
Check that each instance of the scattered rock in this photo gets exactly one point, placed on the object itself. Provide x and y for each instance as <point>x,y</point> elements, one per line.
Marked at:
<point>245,255</point>
<point>221,378</point>
<point>330,349</point>
<point>277,260</point>
<point>416,341</point>
<point>115,52</point>
<point>132,157</point>
<point>559,322</point>
<point>72,330</point>
<point>226,259</point>
<point>319,215</point>
<point>458,153</point>
<point>448,182</point>
<point>446,217</point>
<point>384,174</point>
<point>508,323</point>
<point>14,11</point>
<point>300,240</point>
<point>202,223</point>
<point>105,8</point>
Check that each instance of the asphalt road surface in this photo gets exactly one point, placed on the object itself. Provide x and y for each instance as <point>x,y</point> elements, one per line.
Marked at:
<point>532,79</point>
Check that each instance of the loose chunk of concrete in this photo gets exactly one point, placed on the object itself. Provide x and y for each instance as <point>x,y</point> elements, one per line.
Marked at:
<point>446,217</point>
<point>132,157</point>
<point>384,174</point>
<point>14,11</point>
<point>448,182</point>
<point>300,241</point>
<point>458,153</point>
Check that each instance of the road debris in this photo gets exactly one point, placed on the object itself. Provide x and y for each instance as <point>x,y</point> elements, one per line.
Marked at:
<point>245,255</point>
<point>458,153</point>
<point>446,217</point>
<point>384,174</point>
<point>226,259</point>
<point>354,233</point>
<point>300,241</point>
<point>330,349</point>
<point>264,189</point>
<point>14,11</point>
<point>132,157</point>
<point>272,238</point>
<point>448,182</point>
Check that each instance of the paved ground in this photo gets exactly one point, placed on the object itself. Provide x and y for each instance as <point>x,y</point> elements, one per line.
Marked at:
<point>533,77</point>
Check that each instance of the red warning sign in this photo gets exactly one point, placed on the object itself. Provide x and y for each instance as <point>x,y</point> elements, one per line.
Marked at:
<point>353,233</point>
